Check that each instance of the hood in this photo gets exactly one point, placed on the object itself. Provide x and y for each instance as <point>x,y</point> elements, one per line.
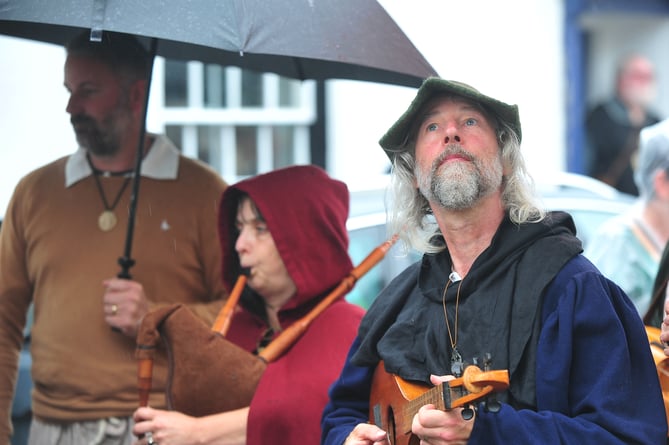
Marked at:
<point>305,211</point>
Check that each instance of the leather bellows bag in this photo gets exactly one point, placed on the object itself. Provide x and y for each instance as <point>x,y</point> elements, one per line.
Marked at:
<point>207,374</point>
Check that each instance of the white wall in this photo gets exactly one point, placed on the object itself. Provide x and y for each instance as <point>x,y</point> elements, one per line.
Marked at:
<point>33,123</point>
<point>511,50</point>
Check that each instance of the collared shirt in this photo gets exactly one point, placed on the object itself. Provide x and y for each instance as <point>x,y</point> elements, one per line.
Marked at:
<point>161,162</point>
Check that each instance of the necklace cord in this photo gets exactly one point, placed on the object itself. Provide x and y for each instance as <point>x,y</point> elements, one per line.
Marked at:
<point>452,337</point>
<point>118,195</point>
<point>96,173</point>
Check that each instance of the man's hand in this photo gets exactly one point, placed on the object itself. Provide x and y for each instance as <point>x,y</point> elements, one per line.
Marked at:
<point>125,304</point>
<point>367,434</point>
<point>436,427</point>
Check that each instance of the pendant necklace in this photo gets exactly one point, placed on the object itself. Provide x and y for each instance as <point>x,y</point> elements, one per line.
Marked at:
<point>107,219</point>
<point>457,365</point>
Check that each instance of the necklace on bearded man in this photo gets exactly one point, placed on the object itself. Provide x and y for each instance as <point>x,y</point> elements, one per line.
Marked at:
<point>107,219</point>
<point>457,365</point>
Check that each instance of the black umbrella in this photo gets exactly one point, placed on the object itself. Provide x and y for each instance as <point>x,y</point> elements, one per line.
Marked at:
<point>302,39</point>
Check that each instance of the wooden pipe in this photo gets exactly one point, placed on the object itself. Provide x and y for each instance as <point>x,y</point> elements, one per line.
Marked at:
<point>144,373</point>
<point>222,322</point>
<point>293,332</point>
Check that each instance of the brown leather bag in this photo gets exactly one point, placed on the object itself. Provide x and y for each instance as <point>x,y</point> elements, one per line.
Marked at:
<point>207,374</point>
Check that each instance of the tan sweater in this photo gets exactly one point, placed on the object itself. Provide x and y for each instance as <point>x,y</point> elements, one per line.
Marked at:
<point>52,252</point>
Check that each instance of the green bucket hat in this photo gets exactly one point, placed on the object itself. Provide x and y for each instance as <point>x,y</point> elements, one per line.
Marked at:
<point>397,136</point>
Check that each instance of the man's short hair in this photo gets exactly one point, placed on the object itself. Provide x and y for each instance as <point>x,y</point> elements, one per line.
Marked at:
<point>122,52</point>
<point>397,137</point>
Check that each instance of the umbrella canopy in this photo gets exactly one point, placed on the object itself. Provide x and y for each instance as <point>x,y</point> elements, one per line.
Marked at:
<point>301,39</point>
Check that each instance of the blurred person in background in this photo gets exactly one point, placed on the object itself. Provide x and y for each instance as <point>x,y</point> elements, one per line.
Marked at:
<point>660,293</point>
<point>612,127</point>
<point>628,248</point>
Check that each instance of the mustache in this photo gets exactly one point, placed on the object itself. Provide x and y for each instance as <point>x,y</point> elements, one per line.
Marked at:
<point>453,150</point>
<point>81,119</point>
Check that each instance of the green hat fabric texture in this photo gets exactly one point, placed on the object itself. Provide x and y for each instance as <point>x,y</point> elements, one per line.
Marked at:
<point>397,136</point>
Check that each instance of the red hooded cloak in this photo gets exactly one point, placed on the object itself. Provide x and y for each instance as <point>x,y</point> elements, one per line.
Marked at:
<point>305,211</point>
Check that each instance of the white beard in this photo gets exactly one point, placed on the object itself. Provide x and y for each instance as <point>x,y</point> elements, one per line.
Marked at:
<point>460,185</point>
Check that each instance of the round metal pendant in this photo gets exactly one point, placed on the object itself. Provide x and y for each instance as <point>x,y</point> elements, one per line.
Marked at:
<point>107,220</point>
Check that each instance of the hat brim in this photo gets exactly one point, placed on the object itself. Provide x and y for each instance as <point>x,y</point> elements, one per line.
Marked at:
<point>396,138</point>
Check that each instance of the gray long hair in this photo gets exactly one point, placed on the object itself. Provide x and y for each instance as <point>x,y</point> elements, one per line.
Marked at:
<point>653,157</point>
<point>410,214</point>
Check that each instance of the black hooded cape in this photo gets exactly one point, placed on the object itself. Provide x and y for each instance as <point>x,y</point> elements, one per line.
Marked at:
<point>498,312</point>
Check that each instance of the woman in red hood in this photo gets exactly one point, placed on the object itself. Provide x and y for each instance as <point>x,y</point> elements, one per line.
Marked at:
<point>287,230</point>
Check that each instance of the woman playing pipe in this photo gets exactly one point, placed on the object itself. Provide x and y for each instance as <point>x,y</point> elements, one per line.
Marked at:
<point>288,229</point>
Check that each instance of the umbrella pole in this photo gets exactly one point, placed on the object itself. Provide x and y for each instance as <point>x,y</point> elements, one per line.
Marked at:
<point>126,261</point>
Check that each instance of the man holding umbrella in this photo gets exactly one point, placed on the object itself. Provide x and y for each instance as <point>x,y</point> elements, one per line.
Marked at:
<point>60,239</point>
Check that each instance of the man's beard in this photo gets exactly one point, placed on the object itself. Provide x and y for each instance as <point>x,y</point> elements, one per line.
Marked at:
<point>642,95</point>
<point>102,138</point>
<point>459,185</point>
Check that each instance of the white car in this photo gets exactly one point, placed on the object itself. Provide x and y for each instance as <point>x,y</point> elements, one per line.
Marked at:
<point>589,201</point>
